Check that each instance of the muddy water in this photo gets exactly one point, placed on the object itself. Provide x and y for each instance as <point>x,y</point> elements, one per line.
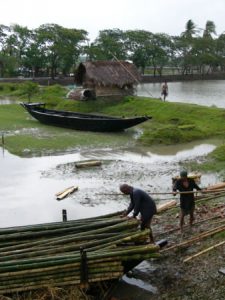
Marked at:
<point>28,185</point>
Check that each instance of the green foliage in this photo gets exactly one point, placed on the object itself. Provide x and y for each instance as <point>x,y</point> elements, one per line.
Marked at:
<point>214,162</point>
<point>8,89</point>
<point>218,154</point>
<point>170,134</point>
<point>29,89</point>
<point>53,50</point>
<point>54,90</point>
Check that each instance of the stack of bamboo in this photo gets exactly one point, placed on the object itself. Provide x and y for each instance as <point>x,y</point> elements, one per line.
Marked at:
<point>70,253</point>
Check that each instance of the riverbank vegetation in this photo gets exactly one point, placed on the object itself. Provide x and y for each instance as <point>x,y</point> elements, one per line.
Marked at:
<point>171,123</point>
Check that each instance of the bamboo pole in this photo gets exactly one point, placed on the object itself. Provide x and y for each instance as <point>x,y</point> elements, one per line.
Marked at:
<point>204,251</point>
<point>204,191</point>
<point>196,238</point>
<point>91,245</point>
<point>54,225</point>
<point>103,227</point>
<point>196,223</point>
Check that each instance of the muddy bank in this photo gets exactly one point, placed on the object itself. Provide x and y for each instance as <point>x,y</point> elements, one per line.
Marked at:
<point>173,276</point>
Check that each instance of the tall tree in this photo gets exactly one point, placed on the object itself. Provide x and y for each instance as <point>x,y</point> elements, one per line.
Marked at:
<point>210,29</point>
<point>190,30</point>
<point>108,45</point>
<point>60,46</point>
<point>139,47</point>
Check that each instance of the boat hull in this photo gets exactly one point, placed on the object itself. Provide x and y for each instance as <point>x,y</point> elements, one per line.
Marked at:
<point>84,122</point>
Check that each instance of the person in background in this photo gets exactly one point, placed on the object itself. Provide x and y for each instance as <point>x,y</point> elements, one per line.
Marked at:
<point>164,90</point>
<point>187,200</point>
<point>140,202</point>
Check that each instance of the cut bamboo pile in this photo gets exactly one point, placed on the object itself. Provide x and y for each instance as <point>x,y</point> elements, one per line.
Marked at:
<point>76,252</point>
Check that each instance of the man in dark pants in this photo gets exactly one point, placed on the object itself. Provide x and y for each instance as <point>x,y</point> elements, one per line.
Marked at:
<point>140,202</point>
<point>187,200</point>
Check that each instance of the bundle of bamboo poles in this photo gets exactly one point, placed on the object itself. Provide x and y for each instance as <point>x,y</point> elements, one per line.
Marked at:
<point>70,253</point>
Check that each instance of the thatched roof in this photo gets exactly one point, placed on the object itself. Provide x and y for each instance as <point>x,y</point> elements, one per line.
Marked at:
<point>107,73</point>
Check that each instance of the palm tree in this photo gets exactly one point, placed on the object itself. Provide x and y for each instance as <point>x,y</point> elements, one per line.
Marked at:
<point>190,29</point>
<point>210,29</point>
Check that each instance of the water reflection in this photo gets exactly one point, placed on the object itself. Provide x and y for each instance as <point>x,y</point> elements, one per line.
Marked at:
<point>201,92</point>
<point>7,101</point>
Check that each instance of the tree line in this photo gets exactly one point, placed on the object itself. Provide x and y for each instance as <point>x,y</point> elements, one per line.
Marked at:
<point>51,49</point>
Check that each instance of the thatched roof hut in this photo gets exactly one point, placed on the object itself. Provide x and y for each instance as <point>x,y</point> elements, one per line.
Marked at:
<point>108,78</point>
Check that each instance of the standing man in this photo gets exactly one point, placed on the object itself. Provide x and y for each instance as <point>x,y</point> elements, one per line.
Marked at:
<point>164,90</point>
<point>187,200</point>
<point>140,202</point>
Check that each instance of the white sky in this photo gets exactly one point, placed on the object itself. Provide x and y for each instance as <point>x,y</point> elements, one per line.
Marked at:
<point>165,16</point>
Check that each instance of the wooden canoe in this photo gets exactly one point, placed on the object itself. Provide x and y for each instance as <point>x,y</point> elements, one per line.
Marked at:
<point>79,121</point>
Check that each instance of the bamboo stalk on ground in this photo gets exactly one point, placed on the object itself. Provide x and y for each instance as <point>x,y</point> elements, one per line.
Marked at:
<point>186,226</point>
<point>196,238</point>
<point>204,251</point>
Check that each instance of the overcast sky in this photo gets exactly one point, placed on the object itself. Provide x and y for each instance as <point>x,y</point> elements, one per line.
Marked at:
<point>167,16</point>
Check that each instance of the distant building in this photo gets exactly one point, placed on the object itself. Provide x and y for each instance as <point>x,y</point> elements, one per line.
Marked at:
<point>106,78</point>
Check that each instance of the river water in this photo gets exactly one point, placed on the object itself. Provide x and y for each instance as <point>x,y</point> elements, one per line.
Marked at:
<point>201,92</point>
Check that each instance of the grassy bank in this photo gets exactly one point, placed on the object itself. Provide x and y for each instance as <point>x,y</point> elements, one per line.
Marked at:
<point>171,122</point>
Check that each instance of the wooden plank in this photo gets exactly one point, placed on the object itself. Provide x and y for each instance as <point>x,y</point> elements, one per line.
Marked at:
<point>90,163</point>
<point>67,192</point>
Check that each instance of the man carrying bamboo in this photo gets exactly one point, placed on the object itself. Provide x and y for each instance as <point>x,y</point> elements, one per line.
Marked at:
<point>187,200</point>
<point>140,202</point>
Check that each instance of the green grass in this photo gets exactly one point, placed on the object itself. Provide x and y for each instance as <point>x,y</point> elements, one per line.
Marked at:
<point>25,136</point>
<point>171,123</point>
<point>215,161</point>
<point>44,142</point>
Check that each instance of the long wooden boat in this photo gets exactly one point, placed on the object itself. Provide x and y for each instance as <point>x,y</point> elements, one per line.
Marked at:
<point>80,121</point>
